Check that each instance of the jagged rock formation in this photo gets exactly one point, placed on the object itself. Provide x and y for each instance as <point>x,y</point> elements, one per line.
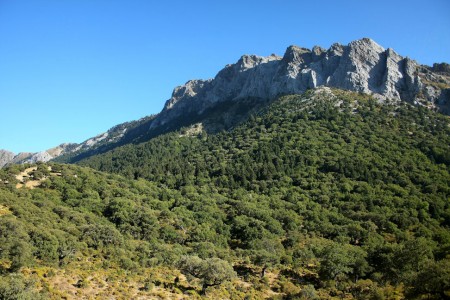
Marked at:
<point>361,66</point>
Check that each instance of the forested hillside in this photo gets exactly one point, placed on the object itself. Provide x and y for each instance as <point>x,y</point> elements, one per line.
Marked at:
<point>325,195</point>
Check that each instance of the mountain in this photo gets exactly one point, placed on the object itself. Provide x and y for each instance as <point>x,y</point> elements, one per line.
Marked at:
<point>322,174</point>
<point>8,157</point>
<point>5,157</point>
<point>361,66</point>
<point>328,194</point>
<point>112,136</point>
<point>253,81</point>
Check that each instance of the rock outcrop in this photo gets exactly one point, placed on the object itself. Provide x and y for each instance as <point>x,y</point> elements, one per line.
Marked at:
<point>361,66</point>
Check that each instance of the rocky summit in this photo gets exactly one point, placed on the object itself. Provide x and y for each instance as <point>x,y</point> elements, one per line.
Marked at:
<point>361,66</point>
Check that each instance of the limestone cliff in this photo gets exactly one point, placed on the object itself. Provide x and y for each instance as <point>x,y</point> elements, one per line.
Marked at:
<point>361,66</point>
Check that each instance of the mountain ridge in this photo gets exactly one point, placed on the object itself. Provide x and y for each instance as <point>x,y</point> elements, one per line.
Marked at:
<point>112,135</point>
<point>361,66</point>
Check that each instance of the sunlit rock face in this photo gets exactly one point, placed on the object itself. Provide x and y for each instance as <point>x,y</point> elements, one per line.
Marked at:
<point>361,66</point>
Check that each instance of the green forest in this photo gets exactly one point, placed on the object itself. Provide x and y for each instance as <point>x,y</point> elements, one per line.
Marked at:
<point>316,196</point>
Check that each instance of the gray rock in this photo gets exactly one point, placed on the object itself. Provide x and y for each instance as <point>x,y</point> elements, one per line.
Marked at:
<point>5,157</point>
<point>8,157</point>
<point>43,156</point>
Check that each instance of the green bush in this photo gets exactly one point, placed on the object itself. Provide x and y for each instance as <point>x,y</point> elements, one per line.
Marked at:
<point>16,287</point>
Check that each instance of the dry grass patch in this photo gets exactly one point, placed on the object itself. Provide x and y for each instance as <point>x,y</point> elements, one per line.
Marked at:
<point>4,210</point>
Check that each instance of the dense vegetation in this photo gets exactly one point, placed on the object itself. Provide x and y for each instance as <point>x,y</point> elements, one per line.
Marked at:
<point>316,196</point>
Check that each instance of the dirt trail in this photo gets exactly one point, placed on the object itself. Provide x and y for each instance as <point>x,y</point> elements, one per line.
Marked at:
<point>25,173</point>
<point>29,183</point>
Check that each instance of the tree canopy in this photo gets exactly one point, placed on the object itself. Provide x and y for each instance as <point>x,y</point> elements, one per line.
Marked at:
<point>314,196</point>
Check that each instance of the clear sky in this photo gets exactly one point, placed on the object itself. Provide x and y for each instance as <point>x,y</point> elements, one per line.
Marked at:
<point>71,69</point>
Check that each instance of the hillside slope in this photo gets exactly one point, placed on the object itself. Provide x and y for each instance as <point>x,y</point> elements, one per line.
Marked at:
<point>322,195</point>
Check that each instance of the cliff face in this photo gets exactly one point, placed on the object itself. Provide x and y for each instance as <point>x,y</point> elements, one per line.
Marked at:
<point>361,66</point>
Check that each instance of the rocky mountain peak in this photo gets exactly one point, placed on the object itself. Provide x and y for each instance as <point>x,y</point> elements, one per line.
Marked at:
<point>336,50</point>
<point>247,62</point>
<point>318,51</point>
<point>190,89</point>
<point>365,54</point>
<point>296,54</point>
<point>366,44</point>
<point>5,157</point>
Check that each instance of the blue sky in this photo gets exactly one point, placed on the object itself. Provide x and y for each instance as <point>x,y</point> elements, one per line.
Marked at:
<point>72,69</point>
